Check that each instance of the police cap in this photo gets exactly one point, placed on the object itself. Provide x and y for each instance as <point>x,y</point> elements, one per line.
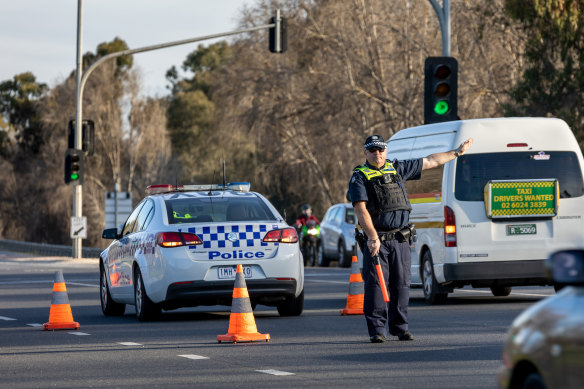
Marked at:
<point>374,141</point>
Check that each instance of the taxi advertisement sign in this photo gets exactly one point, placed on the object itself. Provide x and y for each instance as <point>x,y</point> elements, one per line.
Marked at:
<point>524,198</point>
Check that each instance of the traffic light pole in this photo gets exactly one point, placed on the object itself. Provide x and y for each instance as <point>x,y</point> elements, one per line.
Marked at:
<point>443,14</point>
<point>78,189</point>
<point>82,79</point>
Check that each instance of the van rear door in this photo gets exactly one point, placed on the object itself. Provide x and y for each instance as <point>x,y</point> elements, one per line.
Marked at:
<point>516,238</point>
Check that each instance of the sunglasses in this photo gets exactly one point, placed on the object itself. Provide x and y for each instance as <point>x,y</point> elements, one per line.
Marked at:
<point>375,149</point>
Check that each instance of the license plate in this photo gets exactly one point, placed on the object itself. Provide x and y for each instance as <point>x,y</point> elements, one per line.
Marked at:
<point>521,229</point>
<point>225,273</point>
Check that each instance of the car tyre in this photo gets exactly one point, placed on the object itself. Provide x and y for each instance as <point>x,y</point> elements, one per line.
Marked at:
<point>501,291</point>
<point>108,306</point>
<point>533,381</point>
<point>145,309</point>
<point>292,306</point>
<point>433,293</point>
<point>344,258</point>
<point>322,260</point>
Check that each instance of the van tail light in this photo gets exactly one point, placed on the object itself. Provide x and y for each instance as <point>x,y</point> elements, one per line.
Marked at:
<point>177,239</point>
<point>449,227</point>
<point>284,235</point>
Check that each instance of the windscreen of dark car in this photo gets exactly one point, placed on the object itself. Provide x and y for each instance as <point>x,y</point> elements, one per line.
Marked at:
<point>473,171</point>
<point>217,209</point>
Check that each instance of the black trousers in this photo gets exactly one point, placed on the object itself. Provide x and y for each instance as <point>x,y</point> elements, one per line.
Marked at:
<point>395,259</point>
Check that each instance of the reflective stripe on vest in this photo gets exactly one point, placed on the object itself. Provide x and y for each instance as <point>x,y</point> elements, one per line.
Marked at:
<point>371,173</point>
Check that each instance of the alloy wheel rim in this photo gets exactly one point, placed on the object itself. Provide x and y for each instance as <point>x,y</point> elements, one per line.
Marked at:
<point>427,278</point>
<point>103,290</point>
<point>138,294</point>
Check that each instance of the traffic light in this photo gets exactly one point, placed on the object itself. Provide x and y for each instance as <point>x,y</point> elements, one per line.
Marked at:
<point>278,35</point>
<point>74,167</point>
<point>87,136</point>
<point>440,89</point>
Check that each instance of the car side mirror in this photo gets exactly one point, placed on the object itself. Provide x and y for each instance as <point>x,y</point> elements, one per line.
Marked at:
<point>566,267</point>
<point>110,233</point>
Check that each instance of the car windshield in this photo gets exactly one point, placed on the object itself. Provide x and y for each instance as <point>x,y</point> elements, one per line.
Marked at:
<point>217,209</point>
<point>473,171</point>
<point>350,216</point>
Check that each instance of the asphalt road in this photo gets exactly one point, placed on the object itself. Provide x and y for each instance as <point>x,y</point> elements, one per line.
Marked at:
<point>457,345</point>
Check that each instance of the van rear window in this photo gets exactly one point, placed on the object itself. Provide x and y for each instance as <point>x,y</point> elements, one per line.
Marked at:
<point>473,171</point>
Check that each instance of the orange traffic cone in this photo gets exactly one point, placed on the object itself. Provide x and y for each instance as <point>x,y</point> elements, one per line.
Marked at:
<point>356,291</point>
<point>242,327</point>
<point>60,317</point>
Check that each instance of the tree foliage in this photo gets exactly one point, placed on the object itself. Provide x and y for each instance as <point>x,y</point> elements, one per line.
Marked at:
<point>292,124</point>
<point>552,81</point>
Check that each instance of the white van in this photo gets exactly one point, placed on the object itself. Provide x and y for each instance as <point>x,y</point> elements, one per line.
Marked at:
<point>492,216</point>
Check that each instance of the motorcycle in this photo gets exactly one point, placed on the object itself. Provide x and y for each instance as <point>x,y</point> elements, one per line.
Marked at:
<point>310,234</point>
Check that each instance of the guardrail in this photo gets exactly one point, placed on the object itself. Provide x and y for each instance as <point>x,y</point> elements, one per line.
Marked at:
<point>43,249</point>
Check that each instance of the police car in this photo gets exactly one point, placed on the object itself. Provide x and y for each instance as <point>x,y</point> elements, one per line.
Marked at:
<point>181,244</point>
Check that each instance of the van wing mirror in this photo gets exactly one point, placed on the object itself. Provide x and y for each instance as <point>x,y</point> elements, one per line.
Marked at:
<point>110,233</point>
<point>566,267</point>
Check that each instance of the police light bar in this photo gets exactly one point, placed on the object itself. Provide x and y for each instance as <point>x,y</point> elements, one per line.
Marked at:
<point>239,186</point>
<point>167,188</point>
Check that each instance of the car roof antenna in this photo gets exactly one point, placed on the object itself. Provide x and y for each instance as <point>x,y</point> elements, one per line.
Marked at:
<point>211,185</point>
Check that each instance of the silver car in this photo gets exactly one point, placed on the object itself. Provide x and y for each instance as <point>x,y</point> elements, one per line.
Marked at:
<point>337,235</point>
<point>545,345</point>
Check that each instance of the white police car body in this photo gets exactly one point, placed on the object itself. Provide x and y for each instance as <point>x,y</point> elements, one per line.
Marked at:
<point>180,247</point>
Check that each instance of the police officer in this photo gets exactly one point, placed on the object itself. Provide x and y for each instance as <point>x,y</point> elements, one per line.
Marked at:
<point>378,192</point>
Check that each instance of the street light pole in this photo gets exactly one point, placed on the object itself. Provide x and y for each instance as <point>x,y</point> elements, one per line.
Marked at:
<point>78,200</point>
<point>443,14</point>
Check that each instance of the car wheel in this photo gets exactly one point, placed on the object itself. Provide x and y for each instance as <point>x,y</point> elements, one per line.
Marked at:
<point>145,308</point>
<point>344,259</point>
<point>292,306</point>
<point>108,306</point>
<point>533,381</point>
<point>432,291</point>
<point>321,258</point>
<point>501,290</point>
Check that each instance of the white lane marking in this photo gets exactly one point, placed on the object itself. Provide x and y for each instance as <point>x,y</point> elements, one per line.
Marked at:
<point>275,372</point>
<point>6,318</point>
<point>80,284</point>
<point>78,333</point>
<point>35,325</point>
<point>513,293</point>
<point>331,282</point>
<point>24,282</point>
<point>193,356</point>
<point>129,344</point>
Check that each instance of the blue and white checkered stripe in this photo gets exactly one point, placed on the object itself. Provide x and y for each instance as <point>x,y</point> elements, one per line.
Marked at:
<point>216,237</point>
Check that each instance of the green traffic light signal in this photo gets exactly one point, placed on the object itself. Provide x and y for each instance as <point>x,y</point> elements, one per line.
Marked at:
<point>74,167</point>
<point>441,107</point>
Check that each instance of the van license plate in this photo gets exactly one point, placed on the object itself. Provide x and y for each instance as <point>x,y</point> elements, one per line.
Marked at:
<point>228,272</point>
<point>521,229</point>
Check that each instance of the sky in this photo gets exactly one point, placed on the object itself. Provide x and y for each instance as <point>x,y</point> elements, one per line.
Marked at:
<point>40,36</point>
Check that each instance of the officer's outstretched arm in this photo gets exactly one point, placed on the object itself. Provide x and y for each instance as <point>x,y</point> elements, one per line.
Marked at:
<point>437,159</point>
<point>366,223</point>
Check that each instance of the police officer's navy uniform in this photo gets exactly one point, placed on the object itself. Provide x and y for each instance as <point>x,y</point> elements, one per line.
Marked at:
<point>385,194</point>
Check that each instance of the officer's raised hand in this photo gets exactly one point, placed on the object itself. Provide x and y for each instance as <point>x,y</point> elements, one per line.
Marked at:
<point>437,159</point>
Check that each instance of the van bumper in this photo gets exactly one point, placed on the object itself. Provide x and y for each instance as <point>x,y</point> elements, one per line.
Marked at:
<point>512,273</point>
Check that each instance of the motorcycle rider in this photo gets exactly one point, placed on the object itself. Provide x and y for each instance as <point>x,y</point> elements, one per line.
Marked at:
<point>305,216</point>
